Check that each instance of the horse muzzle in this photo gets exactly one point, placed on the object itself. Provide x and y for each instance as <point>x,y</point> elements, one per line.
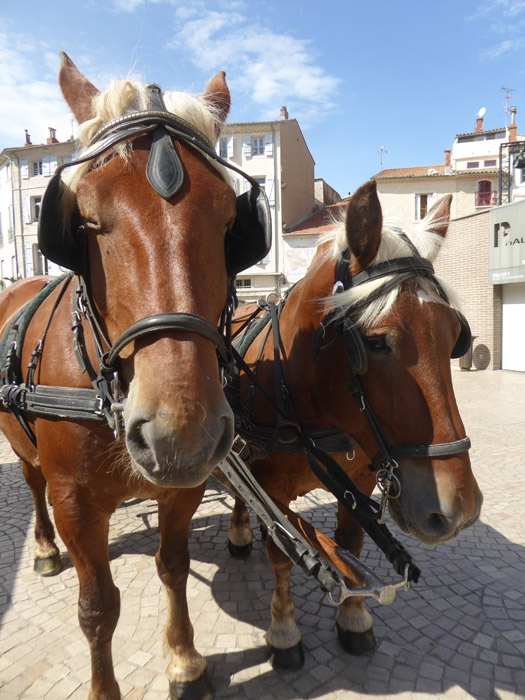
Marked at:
<point>178,456</point>
<point>433,506</point>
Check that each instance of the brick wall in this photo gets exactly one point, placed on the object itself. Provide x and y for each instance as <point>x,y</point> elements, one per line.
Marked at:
<point>464,263</point>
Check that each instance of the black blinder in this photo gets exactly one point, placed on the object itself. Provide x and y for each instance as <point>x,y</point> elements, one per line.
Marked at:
<point>249,239</point>
<point>464,340</point>
<point>59,241</point>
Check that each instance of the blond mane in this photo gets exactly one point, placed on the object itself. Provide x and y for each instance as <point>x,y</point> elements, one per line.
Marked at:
<point>123,97</point>
<point>392,246</point>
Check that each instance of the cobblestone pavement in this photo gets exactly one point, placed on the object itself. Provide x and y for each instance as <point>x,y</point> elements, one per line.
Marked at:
<point>460,633</point>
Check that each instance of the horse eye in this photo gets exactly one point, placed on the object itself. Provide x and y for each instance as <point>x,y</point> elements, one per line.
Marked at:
<point>377,343</point>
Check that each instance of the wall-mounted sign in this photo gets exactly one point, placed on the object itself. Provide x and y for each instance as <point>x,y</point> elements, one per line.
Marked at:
<point>507,243</point>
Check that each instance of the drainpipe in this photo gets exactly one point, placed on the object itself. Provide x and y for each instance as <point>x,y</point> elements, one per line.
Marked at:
<point>11,157</point>
<point>277,207</point>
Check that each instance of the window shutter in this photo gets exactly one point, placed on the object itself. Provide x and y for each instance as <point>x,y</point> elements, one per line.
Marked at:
<point>245,185</point>
<point>268,145</point>
<point>24,169</point>
<point>229,147</point>
<point>270,189</point>
<point>27,210</point>
<point>29,260</point>
<point>49,165</point>
<point>246,146</point>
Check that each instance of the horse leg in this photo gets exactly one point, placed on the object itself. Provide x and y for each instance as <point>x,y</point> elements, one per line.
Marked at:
<point>283,637</point>
<point>84,530</point>
<point>187,674</point>
<point>354,623</point>
<point>47,560</point>
<point>240,535</point>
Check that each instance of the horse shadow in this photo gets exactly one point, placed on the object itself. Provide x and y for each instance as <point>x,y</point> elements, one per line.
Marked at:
<point>461,629</point>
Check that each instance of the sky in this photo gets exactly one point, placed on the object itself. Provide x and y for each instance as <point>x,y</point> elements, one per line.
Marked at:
<point>372,83</point>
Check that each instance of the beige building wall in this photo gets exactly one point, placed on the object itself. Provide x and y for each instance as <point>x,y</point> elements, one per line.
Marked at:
<point>297,174</point>
<point>398,197</point>
<point>463,262</point>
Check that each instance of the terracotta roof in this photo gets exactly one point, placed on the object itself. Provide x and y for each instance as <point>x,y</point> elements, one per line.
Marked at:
<point>418,171</point>
<point>317,223</point>
<point>432,171</point>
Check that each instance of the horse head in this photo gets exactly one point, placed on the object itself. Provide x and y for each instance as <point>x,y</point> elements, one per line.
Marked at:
<point>400,331</point>
<point>148,248</point>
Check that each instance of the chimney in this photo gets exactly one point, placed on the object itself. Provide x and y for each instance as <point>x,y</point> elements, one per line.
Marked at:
<point>512,126</point>
<point>28,139</point>
<point>447,157</point>
<point>284,113</point>
<point>52,135</point>
<point>479,125</point>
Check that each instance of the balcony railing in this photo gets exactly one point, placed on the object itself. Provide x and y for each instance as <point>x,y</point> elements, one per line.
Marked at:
<point>486,199</point>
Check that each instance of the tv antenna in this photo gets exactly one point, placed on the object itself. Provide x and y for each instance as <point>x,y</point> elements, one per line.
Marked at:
<point>508,98</point>
<point>381,150</point>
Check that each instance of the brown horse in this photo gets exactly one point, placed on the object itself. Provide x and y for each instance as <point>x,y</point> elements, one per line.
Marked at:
<point>143,220</point>
<point>402,332</point>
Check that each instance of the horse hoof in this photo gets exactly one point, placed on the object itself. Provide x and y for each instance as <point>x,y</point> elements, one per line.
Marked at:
<point>357,643</point>
<point>291,659</point>
<point>240,551</point>
<point>200,689</point>
<point>48,566</point>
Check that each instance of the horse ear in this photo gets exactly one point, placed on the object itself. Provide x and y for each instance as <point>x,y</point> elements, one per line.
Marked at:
<point>364,223</point>
<point>217,94</point>
<point>78,91</point>
<point>439,216</point>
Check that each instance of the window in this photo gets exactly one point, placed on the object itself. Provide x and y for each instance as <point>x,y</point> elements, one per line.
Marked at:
<point>223,148</point>
<point>258,146</point>
<point>36,168</point>
<point>484,195</point>
<point>36,203</point>
<point>473,164</point>
<point>423,202</point>
<point>243,284</point>
<point>489,164</point>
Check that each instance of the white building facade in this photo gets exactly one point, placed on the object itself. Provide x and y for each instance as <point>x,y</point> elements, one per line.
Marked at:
<point>481,170</point>
<point>24,174</point>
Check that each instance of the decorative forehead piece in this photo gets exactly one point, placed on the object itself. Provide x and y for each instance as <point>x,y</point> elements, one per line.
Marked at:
<point>164,169</point>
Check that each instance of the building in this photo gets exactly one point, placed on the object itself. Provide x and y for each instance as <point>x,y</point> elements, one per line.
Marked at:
<point>484,254</point>
<point>24,174</point>
<point>300,241</point>
<point>481,170</point>
<point>275,153</point>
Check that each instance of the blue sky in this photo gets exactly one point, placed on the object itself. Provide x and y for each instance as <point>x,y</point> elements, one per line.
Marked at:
<point>406,76</point>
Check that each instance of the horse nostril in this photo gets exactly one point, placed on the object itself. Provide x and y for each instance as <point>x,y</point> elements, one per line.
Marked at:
<point>135,435</point>
<point>439,523</point>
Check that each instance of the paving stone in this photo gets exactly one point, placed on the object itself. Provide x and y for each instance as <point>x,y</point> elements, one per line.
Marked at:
<point>458,634</point>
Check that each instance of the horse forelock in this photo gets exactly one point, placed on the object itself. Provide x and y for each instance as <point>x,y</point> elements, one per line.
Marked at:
<point>123,97</point>
<point>392,246</point>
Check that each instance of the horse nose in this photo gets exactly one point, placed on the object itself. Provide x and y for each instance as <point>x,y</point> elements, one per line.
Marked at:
<point>440,526</point>
<point>178,453</point>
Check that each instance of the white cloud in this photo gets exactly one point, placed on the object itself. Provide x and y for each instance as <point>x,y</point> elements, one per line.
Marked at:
<point>29,93</point>
<point>272,69</point>
<point>504,19</point>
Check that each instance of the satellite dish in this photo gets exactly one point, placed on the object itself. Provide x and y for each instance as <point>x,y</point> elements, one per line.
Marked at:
<point>481,113</point>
